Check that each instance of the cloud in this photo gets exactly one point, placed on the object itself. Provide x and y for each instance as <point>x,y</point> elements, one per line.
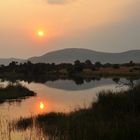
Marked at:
<point>57,2</point>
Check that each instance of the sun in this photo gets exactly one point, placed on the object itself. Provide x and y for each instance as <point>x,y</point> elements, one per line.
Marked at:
<point>42,106</point>
<point>40,33</point>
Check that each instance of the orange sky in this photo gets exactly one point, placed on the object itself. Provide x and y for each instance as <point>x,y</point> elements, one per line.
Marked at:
<point>103,25</point>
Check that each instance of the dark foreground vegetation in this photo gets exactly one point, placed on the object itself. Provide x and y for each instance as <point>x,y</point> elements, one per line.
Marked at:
<point>116,116</point>
<point>14,92</point>
<point>86,70</point>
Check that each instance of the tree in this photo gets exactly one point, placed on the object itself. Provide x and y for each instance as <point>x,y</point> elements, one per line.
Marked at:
<point>77,62</point>
<point>98,64</point>
<point>13,64</point>
<point>88,62</point>
<point>78,67</point>
<point>131,63</point>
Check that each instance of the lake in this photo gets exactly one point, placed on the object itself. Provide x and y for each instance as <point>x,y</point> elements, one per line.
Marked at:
<point>59,96</point>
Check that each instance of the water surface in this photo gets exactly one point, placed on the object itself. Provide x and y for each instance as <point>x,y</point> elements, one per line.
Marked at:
<point>58,96</point>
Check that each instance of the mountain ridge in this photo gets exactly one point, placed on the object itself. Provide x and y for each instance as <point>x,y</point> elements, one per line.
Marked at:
<point>69,55</point>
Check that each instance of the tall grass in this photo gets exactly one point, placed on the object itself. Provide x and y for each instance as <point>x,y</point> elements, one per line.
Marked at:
<point>5,128</point>
<point>9,132</point>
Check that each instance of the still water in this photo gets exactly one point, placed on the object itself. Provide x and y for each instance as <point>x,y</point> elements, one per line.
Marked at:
<point>58,96</point>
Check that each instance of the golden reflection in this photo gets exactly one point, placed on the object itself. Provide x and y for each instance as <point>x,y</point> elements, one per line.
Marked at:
<point>42,105</point>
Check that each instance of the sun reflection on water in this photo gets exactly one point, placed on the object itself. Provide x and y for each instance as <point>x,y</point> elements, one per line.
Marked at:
<point>42,105</point>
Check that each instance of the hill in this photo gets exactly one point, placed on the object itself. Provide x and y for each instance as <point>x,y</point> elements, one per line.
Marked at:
<point>72,54</point>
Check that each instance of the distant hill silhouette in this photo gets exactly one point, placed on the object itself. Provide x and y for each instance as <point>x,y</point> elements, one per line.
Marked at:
<point>72,54</point>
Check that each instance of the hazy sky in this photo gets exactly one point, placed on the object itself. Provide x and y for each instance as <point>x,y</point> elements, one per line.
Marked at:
<point>101,25</point>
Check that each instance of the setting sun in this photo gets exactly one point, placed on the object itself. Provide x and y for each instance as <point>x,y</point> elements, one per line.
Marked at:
<point>40,33</point>
<point>42,106</point>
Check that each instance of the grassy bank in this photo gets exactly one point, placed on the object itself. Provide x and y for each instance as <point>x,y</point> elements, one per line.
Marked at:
<point>14,92</point>
<point>116,116</point>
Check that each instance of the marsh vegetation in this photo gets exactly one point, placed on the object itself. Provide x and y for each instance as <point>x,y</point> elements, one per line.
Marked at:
<point>85,70</point>
<point>114,116</point>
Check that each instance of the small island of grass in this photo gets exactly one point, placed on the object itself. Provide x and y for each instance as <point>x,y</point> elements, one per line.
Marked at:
<point>14,92</point>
